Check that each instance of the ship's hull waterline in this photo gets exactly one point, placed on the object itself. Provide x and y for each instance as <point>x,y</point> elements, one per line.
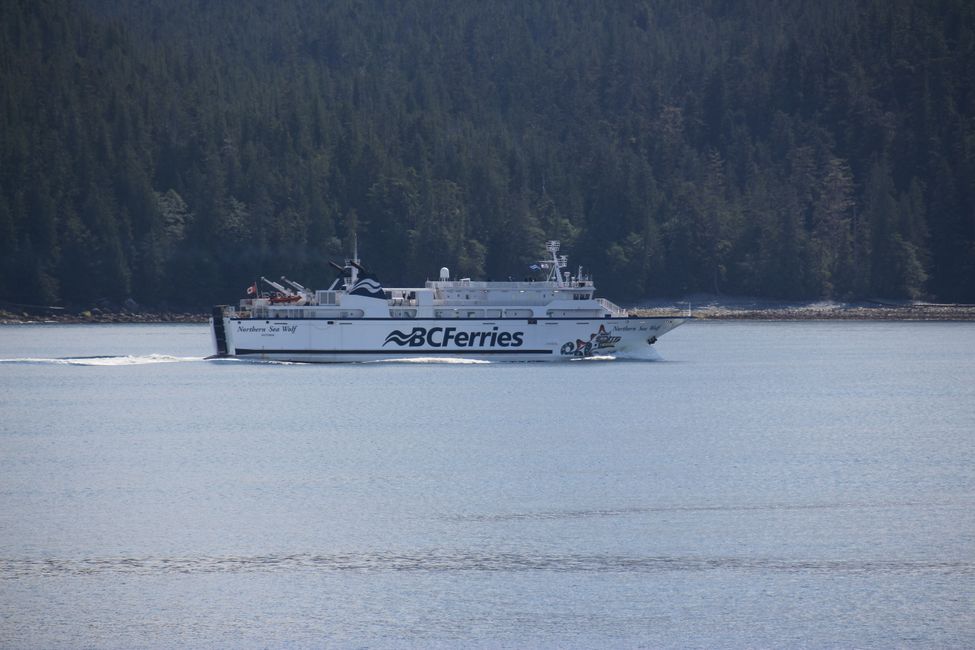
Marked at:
<point>354,340</point>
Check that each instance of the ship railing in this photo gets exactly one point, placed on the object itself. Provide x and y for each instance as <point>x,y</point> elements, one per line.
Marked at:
<point>469,284</point>
<point>611,306</point>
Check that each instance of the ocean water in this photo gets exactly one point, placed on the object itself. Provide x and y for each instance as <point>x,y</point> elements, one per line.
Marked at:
<point>758,485</point>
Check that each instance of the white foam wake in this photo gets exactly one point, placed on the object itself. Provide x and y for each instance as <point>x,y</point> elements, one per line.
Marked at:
<point>126,360</point>
<point>646,354</point>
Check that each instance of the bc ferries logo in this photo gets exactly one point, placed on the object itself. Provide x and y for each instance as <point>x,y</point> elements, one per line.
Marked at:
<point>367,286</point>
<point>598,341</point>
<point>442,337</point>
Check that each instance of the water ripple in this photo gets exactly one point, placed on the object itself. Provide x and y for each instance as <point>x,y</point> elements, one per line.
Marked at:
<point>639,510</point>
<point>438,562</point>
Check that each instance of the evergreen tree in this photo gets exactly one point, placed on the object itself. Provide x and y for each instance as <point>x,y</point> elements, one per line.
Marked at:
<point>171,151</point>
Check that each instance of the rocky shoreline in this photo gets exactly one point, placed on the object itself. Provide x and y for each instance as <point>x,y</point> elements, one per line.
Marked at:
<point>818,312</point>
<point>707,311</point>
<point>92,316</point>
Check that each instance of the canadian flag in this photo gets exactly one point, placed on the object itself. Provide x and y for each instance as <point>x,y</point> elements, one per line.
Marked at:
<point>251,290</point>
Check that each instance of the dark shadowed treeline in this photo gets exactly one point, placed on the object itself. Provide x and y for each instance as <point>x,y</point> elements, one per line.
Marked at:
<point>173,150</point>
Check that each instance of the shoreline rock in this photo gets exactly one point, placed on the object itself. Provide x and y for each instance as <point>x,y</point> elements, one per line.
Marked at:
<point>879,312</point>
<point>97,316</point>
<point>815,311</point>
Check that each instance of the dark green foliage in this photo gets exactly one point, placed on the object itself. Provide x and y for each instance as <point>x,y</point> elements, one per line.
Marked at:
<point>173,151</point>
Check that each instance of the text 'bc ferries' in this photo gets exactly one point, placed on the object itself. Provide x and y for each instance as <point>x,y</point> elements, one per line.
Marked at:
<point>356,319</point>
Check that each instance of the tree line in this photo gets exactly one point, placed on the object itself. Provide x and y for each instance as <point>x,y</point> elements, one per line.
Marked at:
<point>171,150</point>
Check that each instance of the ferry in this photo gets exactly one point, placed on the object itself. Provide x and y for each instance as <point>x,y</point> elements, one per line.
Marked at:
<point>556,318</point>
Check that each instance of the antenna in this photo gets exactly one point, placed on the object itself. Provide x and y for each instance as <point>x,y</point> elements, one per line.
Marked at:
<point>558,261</point>
<point>354,262</point>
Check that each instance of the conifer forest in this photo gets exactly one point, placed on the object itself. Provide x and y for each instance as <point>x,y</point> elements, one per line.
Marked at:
<point>172,151</point>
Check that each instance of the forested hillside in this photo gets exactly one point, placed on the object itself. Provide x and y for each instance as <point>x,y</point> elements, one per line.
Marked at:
<point>173,150</point>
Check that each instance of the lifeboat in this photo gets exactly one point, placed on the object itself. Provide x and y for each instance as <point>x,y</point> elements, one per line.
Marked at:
<point>280,298</point>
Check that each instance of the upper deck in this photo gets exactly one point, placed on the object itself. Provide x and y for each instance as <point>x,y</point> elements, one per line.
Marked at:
<point>353,296</point>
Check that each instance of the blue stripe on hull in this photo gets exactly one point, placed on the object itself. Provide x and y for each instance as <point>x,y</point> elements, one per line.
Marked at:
<point>413,351</point>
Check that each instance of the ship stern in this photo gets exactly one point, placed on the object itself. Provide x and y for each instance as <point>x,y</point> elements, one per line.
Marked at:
<point>218,331</point>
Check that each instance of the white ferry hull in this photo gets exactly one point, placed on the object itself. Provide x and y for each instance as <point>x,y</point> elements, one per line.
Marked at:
<point>328,341</point>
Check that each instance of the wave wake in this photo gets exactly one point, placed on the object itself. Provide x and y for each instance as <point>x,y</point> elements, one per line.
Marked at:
<point>124,360</point>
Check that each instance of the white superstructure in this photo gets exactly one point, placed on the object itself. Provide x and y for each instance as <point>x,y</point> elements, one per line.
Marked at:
<point>356,319</point>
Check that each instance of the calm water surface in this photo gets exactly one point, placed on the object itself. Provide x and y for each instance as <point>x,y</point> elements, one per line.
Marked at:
<point>761,485</point>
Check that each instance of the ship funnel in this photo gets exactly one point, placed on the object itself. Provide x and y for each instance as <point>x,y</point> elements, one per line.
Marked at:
<point>444,274</point>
